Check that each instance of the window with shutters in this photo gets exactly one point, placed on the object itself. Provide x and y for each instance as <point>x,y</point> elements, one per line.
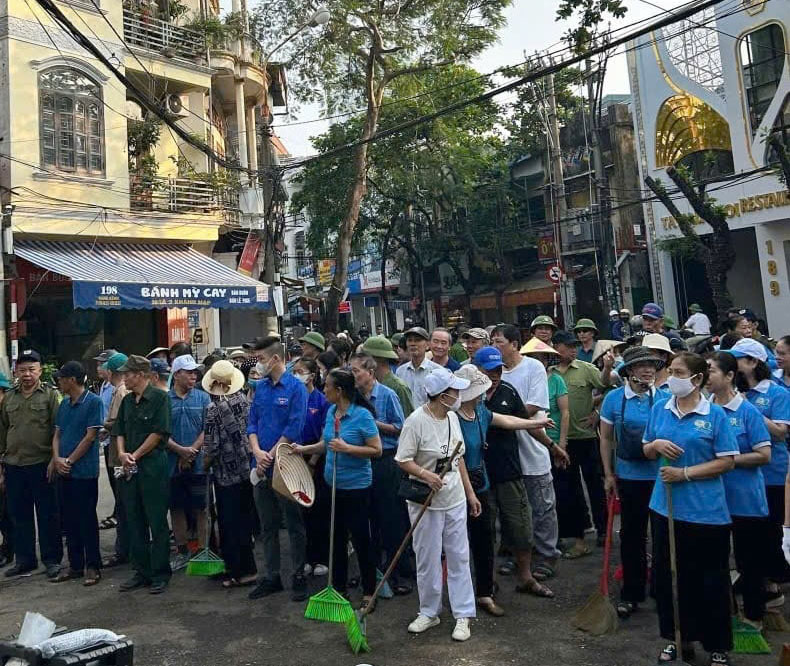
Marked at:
<point>71,122</point>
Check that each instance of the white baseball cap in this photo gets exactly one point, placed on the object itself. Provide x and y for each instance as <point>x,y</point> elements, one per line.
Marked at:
<point>185,362</point>
<point>749,347</point>
<point>442,379</point>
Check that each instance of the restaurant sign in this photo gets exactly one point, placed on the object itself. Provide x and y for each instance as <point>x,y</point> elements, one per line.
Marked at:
<point>121,296</point>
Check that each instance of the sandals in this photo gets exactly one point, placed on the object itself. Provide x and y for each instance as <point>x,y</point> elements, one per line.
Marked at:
<point>670,653</point>
<point>534,588</point>
<point>66,574</point>
<point>108,523</point>
<point>113,561</point>
<point>92,577</point>
<point>625,608</point>
<point>230,583</point>
<point>719,659</point>
<point>543,572</point>
<point>577,551</point>
<point>508,568</point>
<point>402,589</point>
<point>490,606</point>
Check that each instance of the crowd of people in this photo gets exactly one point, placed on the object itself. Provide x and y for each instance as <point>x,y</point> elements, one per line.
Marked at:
<point>519,433</point>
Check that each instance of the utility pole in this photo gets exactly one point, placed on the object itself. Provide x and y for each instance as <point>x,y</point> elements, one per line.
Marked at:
<point>269,230</point>
<point>5,247</point>
<point>560,206</point>
<point>601,194</point>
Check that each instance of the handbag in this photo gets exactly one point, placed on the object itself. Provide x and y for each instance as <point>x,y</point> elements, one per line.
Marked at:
<point>414,490</point>
<point>477,476</point>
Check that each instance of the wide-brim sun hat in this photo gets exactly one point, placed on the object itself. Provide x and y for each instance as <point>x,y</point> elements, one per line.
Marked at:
<point>635,355</point>
<point>223,372</point>
<point>657,341</point>
<point>603,346</point>
<point>479,382</point>
<point>536,346</point>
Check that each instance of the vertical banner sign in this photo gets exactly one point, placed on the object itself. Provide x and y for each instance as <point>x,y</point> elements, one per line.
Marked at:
<point>177,326</point>
<point>326,269</point>
<point>249,254</point>
<point>546,252</point>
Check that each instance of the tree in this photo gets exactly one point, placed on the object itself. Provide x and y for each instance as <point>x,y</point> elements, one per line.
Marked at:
<point>591,13</point>
<point>716,250</point>
<point>365,48</point>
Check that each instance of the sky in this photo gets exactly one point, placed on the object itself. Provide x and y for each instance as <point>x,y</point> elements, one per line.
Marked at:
<point>530,27</point>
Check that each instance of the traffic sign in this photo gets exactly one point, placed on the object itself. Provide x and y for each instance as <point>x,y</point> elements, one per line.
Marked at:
<point>554,273</point>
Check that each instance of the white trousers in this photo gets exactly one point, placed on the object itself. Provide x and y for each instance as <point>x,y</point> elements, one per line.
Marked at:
<point>443,529</point>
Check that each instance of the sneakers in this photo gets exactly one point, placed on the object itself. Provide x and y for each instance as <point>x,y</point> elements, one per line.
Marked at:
<point>134,583</point>
<point>266,587</point>
<point>422,623</point>
<point>462,631</point>
<point>320,570</point>
<point>308,569</point>
<point>774,599</point>
<point>179,561</point>
<point>299,588</point>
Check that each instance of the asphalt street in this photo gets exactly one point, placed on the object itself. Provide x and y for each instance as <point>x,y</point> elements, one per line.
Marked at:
<point>197,623</point>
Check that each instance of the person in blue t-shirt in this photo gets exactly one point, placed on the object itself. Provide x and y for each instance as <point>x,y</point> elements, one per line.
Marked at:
<point>773,402</point>
<point>782,373</point>
<point>624,416</point>
<point>350,439</point>
<point>316,520</point>
<point>694,438</point>
<point>75,459</point>
<point>744,486</point>
<point>475,419</point>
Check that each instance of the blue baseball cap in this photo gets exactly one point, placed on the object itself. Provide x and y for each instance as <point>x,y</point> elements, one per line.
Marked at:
<point>160,367</point>
<point>652,310</point>
<point>749,348</point>
<point>488,358</point>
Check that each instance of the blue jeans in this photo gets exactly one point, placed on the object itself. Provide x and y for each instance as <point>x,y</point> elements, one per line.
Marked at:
<point>27,490</point>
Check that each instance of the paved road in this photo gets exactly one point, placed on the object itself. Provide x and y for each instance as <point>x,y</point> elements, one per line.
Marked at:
<point>198,624</point>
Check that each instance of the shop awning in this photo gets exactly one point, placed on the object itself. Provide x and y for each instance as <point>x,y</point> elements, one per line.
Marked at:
<point>123,276</point>
<point>531,291</point>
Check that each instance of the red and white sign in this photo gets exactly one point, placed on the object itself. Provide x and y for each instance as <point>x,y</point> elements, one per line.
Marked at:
<point>249,254</point>
<point>344,307</point>
<point>554,273</point>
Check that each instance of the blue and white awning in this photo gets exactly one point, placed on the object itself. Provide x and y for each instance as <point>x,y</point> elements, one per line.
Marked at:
<point>122,276</point>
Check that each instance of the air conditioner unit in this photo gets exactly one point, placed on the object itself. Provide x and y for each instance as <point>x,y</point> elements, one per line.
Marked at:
<point>176,105</point>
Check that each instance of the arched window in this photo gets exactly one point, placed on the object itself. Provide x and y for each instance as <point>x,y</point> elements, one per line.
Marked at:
<point>762,61</point>
<point>72,122</point>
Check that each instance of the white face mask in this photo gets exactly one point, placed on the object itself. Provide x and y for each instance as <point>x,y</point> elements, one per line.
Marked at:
<point>262,369</point>
<point>302,377</point>
<point>455,406</point>
<point>681,387</point>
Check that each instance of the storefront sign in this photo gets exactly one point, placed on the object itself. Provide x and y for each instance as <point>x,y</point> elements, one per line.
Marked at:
<point>344,307</point>
<point>177,326</point>
<point>546,252</point>
<point>741,207</point>
<point>193,317</point>
<point>326,271</point>
<point>117,296</point>
<point>249,255</point>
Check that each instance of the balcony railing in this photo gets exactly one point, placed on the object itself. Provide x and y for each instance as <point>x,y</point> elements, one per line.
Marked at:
<point>245,48</point>
<point>154,34</point>
<point>182,195</point>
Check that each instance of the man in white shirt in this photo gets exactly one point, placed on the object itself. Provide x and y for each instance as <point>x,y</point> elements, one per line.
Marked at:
<point>418,368</point>
<point>528,376</point>
<point>698,321</point>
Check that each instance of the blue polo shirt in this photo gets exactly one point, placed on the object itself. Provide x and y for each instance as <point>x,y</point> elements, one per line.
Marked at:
<point>637,412</point>
<point>475,441</point>
<point>278,410</point>
<point>773,402</point>
<point>585,356</point>
<point>704,434</point>
<point>779,378</point>
<point>745,486</point>
<point>105,393</point>
<point>356,426</point>
<point>73,420</point>
<point>388,410</point>
<point>187,416</point>
<point>317,407</point>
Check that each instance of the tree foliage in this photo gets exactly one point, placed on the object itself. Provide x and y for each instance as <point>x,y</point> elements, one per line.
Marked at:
<point>590,14</point>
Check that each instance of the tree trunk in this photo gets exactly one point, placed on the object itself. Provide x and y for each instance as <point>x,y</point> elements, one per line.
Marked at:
<point>385,246</point>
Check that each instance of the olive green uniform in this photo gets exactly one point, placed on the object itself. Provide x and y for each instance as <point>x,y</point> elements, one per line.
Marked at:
<point>146,494</point>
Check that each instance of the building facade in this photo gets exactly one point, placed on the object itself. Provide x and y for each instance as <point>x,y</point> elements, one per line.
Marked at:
<point>707,93</point>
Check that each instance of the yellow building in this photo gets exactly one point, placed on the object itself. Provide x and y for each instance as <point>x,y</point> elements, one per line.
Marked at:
<point>113,238</point>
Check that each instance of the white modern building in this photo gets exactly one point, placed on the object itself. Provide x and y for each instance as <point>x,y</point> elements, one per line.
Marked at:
<point>706,93</point>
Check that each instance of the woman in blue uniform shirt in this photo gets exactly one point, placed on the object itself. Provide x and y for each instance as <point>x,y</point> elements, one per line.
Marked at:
<point>694,437</point>
<point>773,402</point>
<point>624,415</point>
<point>744,486</point>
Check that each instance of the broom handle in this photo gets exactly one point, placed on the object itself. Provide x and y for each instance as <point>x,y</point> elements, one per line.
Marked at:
<point>673,566</point>
<point>405,541</point>
<point>332,516</point>
<point>607,545</point>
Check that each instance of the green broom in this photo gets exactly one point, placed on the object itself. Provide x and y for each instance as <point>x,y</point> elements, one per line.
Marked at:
<point>329,605</point>
<point>356,627</point>
<point>206,563</point>
<point>747,639</point>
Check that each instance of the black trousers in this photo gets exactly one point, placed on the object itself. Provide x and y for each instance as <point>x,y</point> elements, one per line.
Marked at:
<point>482,534</point>
<point>27,490</point>
<point>750,537</point>
<point>703,563</point>
<point>236,516</point>
<point>352,513</point>
<point>634,517</point>
<point>80,497</point>
<point>6,528</point>
<point>316,518</point>
<point>571,505</point>
<point>389,520</point>
<point>774,564</point>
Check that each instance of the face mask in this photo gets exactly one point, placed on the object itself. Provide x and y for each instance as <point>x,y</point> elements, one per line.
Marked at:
<point>455,406</point>
<point>681,387</point>
<point>263,370</point>
<point>302,378</point>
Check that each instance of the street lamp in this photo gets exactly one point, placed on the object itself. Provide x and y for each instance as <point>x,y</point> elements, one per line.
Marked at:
<point>320,17</point>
